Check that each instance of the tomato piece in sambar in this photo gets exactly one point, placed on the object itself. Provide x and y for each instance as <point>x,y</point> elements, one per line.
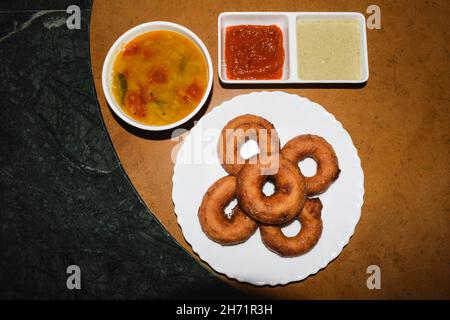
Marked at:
<point>254,52</point>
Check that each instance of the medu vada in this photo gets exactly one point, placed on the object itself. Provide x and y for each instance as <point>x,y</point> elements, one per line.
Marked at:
<point>311,229</point>
<point>215,224</point>
<point>317,148</point>
<point>237,132</point>
<point>287,200</point>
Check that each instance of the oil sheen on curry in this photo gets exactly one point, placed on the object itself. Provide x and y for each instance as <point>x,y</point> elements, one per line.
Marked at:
<point>159,77</point>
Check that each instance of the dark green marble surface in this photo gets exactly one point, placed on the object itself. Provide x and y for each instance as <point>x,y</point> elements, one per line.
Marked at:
<point>64,196</point>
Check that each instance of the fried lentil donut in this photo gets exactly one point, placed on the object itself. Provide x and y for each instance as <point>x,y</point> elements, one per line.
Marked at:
<point>317,148</point>
<point>215,224</point>
<point>287,200</point>
<point>237,132</point>
<point>311,229</point>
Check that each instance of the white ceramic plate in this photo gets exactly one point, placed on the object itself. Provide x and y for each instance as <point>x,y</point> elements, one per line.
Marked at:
<point>197,167</point>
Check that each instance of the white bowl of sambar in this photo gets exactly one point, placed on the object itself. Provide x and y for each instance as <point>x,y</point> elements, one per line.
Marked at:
<point>157,76</point>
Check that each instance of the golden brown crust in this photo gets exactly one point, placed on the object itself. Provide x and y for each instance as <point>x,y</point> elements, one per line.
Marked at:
<point>317,148</point>
<point>215,224</point>
<point>284,204</point>
<point>311,229</point>
<point>237,132</point>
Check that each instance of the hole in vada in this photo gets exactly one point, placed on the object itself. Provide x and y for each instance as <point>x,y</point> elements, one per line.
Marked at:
<point>268,188</point>
<point>229,208</point>
<point>292,229</point>
<point>249,149</point>
<point>308,167</point>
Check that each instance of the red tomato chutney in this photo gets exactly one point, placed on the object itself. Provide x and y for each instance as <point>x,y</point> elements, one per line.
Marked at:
<point>254,52</point>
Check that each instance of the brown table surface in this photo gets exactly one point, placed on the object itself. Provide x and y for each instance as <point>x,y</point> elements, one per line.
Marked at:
<point>399,122</point>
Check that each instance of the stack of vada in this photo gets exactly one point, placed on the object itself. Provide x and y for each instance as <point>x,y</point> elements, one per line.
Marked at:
<point>270,213</point>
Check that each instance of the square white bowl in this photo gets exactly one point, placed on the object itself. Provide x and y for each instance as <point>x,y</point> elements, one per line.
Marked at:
<point>287,21</point>
<point>364,64</point>
<point>279,19</point>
